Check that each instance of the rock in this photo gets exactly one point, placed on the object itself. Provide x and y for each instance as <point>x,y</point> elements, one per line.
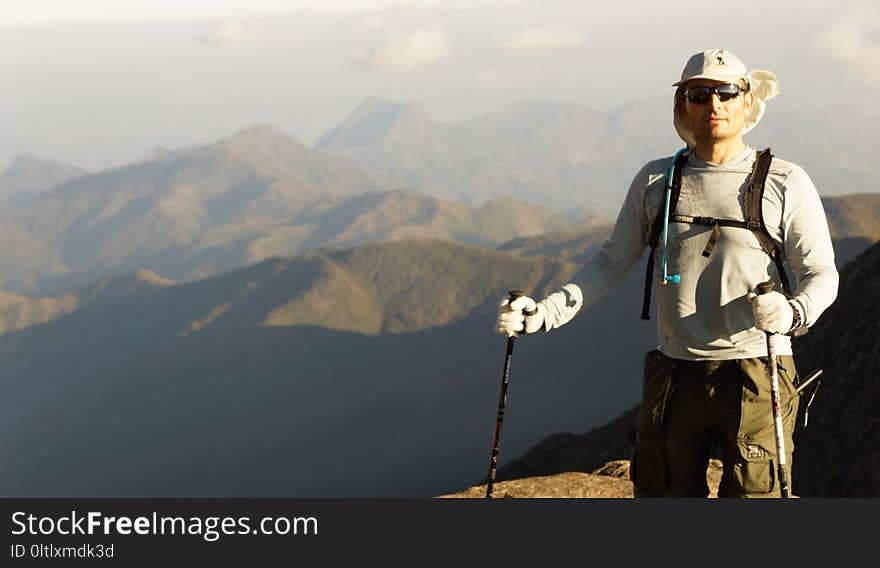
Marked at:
<point>611,481</point>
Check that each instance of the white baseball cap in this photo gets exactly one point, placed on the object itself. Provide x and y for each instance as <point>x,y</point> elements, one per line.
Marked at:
<point>716,64</point>
<point>722,65</point>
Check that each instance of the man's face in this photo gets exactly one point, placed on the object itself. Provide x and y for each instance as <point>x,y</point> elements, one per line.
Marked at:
<point>714,120</point>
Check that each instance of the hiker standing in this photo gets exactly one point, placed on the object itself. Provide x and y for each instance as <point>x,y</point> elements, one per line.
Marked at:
<point>734,216</point>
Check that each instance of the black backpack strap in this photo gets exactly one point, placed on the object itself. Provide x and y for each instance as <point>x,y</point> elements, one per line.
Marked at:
<point>755,191</point>
<point>657,229</point>
<point>774,251</point>
<point>649,283</point>
<point>755,215</point>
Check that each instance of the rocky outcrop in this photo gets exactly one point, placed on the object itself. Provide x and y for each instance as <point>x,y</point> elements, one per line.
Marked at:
<point>567,452</point>
<point>838,453</point>
<point>607,482</point>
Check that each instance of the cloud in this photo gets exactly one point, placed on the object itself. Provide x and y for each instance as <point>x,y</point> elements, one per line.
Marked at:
<point>419,50</point>
<point>374,23</point>
<point>227,33</point>
<point>493,79</point>
<point>853,39</point>
<point>541,40</point>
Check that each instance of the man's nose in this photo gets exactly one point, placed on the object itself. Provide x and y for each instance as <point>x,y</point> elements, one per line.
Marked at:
<point>715,101</point>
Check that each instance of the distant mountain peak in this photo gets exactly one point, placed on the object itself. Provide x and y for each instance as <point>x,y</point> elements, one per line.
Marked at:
<point>374,105</point>
<point>28,176</point>
<point>139,276</point>
<point>146,276</point>
<point>22,162</point>
<point>262,134</point>
<point>122,286</point>
<point>27,162</point>
<point>157,154</point>
<point>263,145</point>
<point>375,120</point>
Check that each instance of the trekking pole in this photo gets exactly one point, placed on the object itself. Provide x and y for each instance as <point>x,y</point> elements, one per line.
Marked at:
<point>764,288</point>
<point>807,380</point>
<point>502,402</point>
<point>800,389</point>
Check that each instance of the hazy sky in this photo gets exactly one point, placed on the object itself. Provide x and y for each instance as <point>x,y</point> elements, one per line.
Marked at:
<point>98,83</point>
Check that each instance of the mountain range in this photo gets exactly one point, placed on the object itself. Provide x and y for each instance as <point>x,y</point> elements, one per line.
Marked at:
<point>568,155</point>
<point>197,212</point>
<point>559,155</point>
<point>387,171</point>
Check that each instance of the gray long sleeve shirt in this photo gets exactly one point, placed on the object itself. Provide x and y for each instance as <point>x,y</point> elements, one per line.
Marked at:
<point>707,316</point>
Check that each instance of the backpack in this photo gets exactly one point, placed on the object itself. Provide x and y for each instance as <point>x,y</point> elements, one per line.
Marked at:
<point>754,221</point>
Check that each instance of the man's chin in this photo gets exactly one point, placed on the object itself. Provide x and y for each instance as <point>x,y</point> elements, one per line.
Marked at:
<point>712,135</point>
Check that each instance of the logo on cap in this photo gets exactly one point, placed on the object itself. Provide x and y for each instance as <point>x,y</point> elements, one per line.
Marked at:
<point>720,59</point>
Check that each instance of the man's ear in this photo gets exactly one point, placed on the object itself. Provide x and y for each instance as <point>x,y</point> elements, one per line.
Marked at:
<point>679,108</point>
<point>749,100</point>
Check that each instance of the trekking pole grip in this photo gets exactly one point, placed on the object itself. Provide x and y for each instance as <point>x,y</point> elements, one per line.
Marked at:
<point>766,287</point>
<point>513,295</point>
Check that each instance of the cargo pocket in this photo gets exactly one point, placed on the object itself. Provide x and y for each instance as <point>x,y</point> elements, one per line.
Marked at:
<point>755,473</point>
<point>757,409</point>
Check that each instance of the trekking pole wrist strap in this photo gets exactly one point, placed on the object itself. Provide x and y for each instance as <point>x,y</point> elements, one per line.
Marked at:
<point>797,319</point>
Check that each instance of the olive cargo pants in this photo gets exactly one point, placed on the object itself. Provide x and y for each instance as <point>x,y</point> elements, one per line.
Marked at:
<point>689,405</point>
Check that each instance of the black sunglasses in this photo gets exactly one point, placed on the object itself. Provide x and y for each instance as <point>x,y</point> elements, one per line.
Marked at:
<point>702,93</point>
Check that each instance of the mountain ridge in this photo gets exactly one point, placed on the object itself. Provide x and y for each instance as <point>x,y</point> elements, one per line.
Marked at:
<point>198,211</point>
<point>576,155</point>
<point>254,369</point>
<point>28,176</point>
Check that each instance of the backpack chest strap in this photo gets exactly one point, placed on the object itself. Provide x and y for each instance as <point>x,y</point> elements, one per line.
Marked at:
<point>716,224</point>
<point>713,221</point>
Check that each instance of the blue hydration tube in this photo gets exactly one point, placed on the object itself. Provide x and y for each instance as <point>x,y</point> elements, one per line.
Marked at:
<point>667,278</point>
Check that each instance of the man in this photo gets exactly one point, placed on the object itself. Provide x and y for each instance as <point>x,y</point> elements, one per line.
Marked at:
<point>708,382</point>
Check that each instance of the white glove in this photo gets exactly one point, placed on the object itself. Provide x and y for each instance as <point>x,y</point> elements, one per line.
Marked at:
<point>773,313</point>
<point>512,320</point>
